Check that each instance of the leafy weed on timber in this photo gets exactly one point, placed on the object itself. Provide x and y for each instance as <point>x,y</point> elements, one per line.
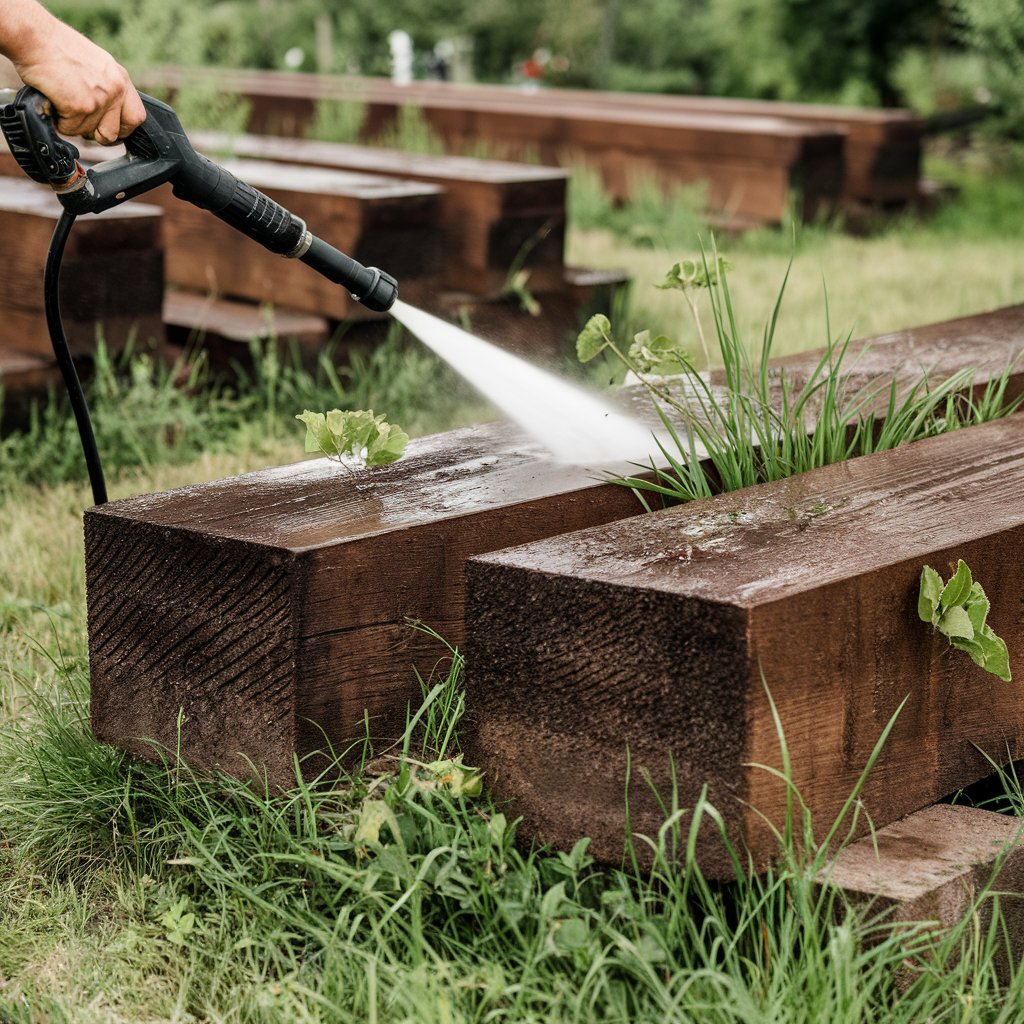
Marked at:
<point>356,439</point>
<point>959,611</point>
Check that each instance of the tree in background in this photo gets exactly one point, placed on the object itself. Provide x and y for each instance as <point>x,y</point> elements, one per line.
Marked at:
<point>829,50</point>
<point>995,30</point>
<point>835,42</point>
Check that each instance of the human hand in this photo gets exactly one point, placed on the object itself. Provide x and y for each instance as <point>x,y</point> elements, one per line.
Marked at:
<point>91,93</point>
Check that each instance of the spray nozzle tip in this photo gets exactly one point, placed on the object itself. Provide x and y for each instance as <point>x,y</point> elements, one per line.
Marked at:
<point>381,294</point>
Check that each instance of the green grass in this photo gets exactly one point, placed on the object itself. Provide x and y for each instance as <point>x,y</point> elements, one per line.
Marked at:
<point>146,414</point>
<point>908,271</point>
<point>387,895</point>
<point>139,892</point>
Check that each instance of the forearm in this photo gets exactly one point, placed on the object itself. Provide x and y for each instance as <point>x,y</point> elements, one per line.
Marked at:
<point>24,25</point>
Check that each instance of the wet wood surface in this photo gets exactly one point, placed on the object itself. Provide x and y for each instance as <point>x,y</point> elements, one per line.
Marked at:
<point>662,636</point>
<point>111,275</point>
<point>495,214</point>
<point>268,601</point>
<point>264,601</point>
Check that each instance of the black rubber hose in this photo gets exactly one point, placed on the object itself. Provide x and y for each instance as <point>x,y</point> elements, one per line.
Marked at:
<point>51,301</point>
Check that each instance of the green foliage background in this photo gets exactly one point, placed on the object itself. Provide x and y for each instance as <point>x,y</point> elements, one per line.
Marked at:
<point>851,50</point>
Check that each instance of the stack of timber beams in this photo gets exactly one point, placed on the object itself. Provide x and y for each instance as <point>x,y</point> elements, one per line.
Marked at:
<point>493,219</point>
<point>111,282</point>
<point>273,606</point>
<point>882,148</point>
<point>494,213</point>
<point>751,165</point>
<point>225,329</point>
<point>378,221</point>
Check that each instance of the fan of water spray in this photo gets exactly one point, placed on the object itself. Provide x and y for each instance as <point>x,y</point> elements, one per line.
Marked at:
<point>574,425</point>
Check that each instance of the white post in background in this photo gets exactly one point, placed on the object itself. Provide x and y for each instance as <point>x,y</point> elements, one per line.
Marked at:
<point>401,57</point>
<point>323,30</point>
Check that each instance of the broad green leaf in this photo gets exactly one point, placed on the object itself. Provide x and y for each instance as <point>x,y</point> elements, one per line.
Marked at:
<point>552,901</point>
<point>496,827</point>
<point>956,623</point>
<point>366,430</point>
<point>928,598</point>
<point>649,354</point>
<point>972,647</point>
<point>318,437</point>
<point>459,779</point>
<point>989,651</point>
<point>573,933</point>
<point>356,436</point>
<point>977,607</point>
<point>958,588</point>
<point>594,338</point>
<point>373,815</point>
<point>388,446</point>
<point>674,278</point>
<point>960,615</point>
<point>997,660</point>
<point>704,277</point>
<point>650,949</point>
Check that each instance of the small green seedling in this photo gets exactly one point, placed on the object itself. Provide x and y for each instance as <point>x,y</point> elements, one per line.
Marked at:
<point>958,610</point>
<point>355,439</point>
<point>178,922</point>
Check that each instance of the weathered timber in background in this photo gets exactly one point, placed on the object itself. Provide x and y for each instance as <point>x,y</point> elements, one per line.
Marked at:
<point>273,605</point>
<point>21,373</point>
<point>545,336</point>
<point>22,378</point>
<point>933,866</point>
<point>224,329</point>
<point>751,165</point>
<point>659,636</point>
<point>194,593</point>
<point>495,214</point>
<point>990,342</point>
<point>496,218</point>
<point>882,149</point>
<point>111,278</point>
<point>378,221</point>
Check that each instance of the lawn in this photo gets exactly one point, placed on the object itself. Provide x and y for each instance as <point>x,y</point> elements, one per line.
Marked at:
<point>137,892</point>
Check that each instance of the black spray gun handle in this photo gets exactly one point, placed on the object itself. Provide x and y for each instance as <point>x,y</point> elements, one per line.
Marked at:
<point>158,151</point>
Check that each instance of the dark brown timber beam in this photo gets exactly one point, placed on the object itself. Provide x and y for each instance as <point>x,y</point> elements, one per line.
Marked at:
<point>658,639</point>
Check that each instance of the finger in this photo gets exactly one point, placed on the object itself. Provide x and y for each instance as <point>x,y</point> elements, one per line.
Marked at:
<point>133,113</point>
<point>73,125</point>
<point>107,131</point>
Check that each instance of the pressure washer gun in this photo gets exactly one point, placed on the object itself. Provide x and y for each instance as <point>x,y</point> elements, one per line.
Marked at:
<point>158,152</point>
